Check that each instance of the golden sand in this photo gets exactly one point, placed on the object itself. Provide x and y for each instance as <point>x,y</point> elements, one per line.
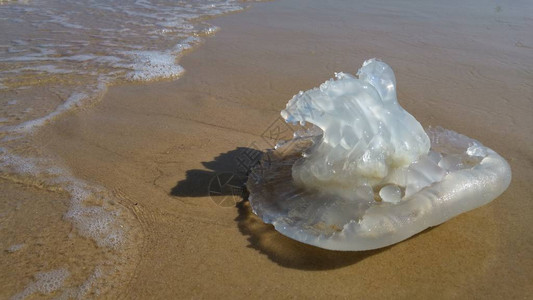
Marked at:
<point>157,147</point>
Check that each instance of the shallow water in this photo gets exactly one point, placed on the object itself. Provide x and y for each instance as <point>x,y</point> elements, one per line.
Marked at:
<point>55,51</point>
<point>63,235</point>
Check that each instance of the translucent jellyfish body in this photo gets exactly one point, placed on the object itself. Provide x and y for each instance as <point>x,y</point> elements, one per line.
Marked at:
<point>367,175</point>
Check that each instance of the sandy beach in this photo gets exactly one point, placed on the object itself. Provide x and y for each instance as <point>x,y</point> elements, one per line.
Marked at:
<point>158,147</point>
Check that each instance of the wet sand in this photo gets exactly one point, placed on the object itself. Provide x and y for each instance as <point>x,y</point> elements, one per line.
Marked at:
<point>157,147</point>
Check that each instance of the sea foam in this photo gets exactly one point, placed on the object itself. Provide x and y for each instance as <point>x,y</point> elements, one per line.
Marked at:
<point>81,48</point>
<point>84,43</point>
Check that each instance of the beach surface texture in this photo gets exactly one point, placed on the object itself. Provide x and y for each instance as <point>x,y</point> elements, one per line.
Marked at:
<point>132,187</point>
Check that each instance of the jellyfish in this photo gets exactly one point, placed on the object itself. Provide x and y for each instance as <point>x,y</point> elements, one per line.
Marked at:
<point>364,174</point>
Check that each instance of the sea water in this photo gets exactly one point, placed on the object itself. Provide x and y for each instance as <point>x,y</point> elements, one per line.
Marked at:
<point>58,56</point>
<point>54,51</point>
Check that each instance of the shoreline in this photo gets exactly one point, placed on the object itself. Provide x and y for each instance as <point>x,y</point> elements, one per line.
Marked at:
<point>142,140</point>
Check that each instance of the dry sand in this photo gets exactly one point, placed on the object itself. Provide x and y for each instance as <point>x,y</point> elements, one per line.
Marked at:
<point>158,146</point>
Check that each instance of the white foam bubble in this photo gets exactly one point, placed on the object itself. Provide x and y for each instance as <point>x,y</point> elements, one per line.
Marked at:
<point>50,69</point>
<point>186,44</point>
<point>44,283</point>
<point>150,65</point>
<point>75,100</point>
<point>97,222</point>
<point>15,248</point>
<point>82,291</point>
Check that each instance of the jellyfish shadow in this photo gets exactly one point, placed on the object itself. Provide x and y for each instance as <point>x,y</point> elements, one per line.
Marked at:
<point>227,176</point>
<point>290,253</point>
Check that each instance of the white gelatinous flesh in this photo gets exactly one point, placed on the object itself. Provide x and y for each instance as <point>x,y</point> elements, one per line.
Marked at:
<point>366,133</point>
<point>367,175</point>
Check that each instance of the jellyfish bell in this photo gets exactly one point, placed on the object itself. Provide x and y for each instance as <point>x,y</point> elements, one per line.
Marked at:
<point>366,174</point>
